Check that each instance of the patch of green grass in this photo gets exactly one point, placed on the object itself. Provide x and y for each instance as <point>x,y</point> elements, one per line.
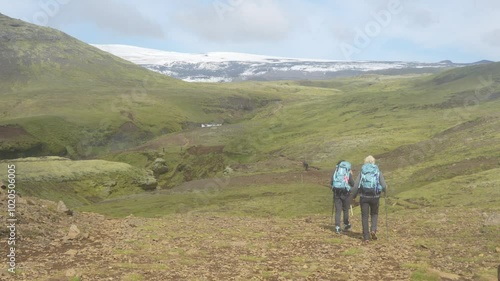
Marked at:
<point>305,273</point>
<point>292,200</point>
<point>486,275</point>
<point>352,252</point>
<point>140,266</point>
<point>423,275</point>
<point>266,274</point>
<point>300,259</point>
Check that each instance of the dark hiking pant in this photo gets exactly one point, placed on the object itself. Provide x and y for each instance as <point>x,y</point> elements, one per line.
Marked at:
<point>369,207</point>
<point>342,203</point>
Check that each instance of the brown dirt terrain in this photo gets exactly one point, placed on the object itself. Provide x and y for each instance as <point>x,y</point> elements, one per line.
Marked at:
<point>12,132</point>
<point>206,246</point>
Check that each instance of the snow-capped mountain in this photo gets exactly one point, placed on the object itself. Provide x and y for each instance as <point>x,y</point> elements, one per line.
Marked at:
<point>227,67</point>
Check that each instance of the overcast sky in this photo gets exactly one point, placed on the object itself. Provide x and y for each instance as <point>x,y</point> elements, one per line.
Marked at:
<point>408,30</point>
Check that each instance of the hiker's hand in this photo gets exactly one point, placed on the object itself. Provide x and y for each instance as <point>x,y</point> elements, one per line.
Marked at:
<point>354,203</point>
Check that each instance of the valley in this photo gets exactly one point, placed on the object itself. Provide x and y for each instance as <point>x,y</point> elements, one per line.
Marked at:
<point>156,196</point>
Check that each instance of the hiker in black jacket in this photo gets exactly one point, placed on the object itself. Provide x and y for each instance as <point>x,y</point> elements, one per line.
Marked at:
<point>370,183</point>
<point>342,201</point>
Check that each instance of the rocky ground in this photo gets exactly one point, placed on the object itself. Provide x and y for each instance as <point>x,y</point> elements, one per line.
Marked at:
<point>53,244</point>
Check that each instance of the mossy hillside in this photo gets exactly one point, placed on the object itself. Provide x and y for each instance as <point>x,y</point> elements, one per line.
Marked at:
<point>191,163</point>
<point>466,149</point>
<point>49,75</point>
<point>94,121</point>
<point>39,128</point>
<point>477,190</point>
<point>411,138</point>
<point>38,55</point>
<point>362,120</point>
<point>14,140</point>
<point>75,182</point>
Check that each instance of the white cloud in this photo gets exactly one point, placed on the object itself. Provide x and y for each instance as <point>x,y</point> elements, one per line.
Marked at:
<point>117,16</point>
<point>289,27</point>
<point>460,25</point>
<point>243,21</point>
<point>492,38</point>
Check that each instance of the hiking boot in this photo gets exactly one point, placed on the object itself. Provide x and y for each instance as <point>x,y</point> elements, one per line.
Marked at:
<point>337,229</point>
<point>347,227</point>
<point>366,242</point>
<point>373,234</point>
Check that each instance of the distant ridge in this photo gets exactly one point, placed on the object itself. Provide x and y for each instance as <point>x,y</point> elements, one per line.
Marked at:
<point>483,62</point>
<point>227,66</point>
<point>446,62</point>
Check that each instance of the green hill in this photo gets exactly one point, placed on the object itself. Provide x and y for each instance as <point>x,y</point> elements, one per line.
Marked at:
<point>61,96</point>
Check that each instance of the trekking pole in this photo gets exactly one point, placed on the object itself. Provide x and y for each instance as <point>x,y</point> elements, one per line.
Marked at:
<point>386,221</point>
<point>333,205</point>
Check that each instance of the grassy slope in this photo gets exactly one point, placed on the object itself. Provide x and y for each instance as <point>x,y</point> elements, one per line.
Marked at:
<point>60,96</point>
<point>74,182</point>
<point>359,116</point>
<point>421,129</point>
<point>79,101</point>
<point>259,201</point>
<point>414,125</point>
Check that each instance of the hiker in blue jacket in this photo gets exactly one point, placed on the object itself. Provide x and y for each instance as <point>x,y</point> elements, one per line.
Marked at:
<point>369,184</point>
<point>341,182</point>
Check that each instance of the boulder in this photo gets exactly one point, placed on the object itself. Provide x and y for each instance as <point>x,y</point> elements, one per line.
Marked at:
<point>61,208</point>
<point>21,200</point>
<point>493,219</point>
<point>159,167</point>
<point>71,273</point>
<point>74,233</point>
<point>147,183</point>
<point>228,171</point>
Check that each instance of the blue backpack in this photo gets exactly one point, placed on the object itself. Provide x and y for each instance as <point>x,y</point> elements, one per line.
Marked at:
<point>340,180</point>
<point>370,179</point>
